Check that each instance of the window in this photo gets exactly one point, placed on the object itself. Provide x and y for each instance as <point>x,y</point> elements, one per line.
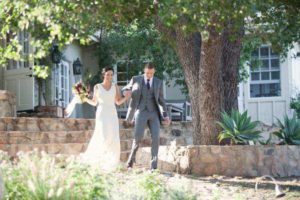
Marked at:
<point>23,38</point>
<point>127,69</point>
<point>265,78</point>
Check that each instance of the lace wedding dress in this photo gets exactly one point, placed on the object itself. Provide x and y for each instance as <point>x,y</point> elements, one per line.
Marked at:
<point>104,146</point>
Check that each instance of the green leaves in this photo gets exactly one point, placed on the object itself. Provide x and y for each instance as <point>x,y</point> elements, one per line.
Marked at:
<point>41,72</point>
<point>289,132</point>
<point>295,104</point>
<point>132,45</point>
<point>238,128</point>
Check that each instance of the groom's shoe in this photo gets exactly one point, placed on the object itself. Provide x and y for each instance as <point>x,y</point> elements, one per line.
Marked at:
<point>129,164</point>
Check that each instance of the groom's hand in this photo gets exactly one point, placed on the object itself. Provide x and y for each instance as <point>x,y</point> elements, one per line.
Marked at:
<point>127,94</point>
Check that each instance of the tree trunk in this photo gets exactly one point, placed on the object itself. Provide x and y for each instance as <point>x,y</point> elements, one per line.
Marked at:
<point>231,50</point>
<point>188,49</point>
<point>201,61</point>
<point>211,96</point>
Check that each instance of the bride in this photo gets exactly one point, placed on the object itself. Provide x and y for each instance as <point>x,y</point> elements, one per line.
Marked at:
<point>104,147</point>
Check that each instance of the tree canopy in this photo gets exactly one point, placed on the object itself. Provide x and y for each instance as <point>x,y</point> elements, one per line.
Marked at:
<point>275,21</point>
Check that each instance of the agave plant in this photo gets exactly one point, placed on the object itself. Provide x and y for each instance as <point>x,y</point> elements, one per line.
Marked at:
<point>238,128</point>
<point>266,142</point>
<point>289,131</point>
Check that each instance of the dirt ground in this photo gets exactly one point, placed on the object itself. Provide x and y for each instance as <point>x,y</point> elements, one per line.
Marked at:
<point>237,188</point>
<point>222,188</point>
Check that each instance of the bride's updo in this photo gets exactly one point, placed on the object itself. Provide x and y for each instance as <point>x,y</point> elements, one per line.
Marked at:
<point>106,69</point>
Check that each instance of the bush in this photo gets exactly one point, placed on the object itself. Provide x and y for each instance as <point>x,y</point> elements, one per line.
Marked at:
<point>39,176</point>
<point>238,128</point>
<point>295,104</point>
<point>289,131</point>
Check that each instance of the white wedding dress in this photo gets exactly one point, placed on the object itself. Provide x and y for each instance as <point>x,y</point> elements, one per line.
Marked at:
<point>103,149</point>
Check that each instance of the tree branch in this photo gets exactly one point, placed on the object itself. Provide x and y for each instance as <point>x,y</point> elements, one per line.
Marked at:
<point>169,32</point>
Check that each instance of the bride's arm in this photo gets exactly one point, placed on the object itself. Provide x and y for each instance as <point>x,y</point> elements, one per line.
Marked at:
<point>119,99</point>
<point>93,101</point>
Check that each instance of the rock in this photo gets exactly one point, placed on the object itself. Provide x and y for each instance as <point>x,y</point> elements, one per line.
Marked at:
<point>8,106</point>
<point>176,132</point>
<point>245,160</point>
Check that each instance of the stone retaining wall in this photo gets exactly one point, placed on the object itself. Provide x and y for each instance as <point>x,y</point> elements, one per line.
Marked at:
<point>246,161</point>
<point>70,136</point>
<point>7,104</point>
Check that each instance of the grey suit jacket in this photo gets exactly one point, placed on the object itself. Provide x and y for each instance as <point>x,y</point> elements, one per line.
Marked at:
<point>135,86</point>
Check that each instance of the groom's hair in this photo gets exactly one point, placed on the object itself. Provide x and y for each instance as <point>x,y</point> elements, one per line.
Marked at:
<point>149,65</point>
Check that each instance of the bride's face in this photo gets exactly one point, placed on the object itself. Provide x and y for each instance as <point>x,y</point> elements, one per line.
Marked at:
<point>108,76</point>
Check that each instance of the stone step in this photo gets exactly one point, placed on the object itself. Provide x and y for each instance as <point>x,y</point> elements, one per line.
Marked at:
<point>36,137</point>
<point>124,155</point>
<point>71,124</point>
<point>32,139</point>
<point>29,139</point>
<point>48,137</point>
<point>65,149</point>
<point>45,124</point>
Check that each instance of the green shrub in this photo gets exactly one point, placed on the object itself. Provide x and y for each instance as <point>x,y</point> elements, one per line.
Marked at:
<point>152,186</point>
<point>39,176</point>
<point>238,128</point>
<point>289,131</point>
<point>295,104</point>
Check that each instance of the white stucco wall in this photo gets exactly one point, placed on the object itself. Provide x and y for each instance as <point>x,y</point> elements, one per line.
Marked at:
<point>90,66</point>
<point>89,61</point>
<point>295,71</point>
<point>70,54</point>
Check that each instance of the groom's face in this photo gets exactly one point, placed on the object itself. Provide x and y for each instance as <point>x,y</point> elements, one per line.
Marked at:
<point>149,73</point>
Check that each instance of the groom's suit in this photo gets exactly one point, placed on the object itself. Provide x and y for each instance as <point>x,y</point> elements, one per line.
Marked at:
<point>147,107</point>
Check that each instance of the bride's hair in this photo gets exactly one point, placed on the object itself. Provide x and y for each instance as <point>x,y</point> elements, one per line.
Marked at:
<point>106,69</point>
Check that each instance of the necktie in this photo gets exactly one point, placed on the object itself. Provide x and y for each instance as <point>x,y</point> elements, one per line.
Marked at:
<point>148,84</point>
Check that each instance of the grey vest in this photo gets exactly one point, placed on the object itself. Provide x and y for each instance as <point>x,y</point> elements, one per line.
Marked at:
<point>147,101</point>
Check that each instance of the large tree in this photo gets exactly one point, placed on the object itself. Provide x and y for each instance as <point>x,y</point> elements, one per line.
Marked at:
<point>207,36</point>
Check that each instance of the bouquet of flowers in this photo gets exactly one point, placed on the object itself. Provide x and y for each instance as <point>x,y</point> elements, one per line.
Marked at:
<point>80,92</point>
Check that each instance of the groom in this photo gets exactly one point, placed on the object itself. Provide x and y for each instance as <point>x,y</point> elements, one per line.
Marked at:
<point>147,107</point>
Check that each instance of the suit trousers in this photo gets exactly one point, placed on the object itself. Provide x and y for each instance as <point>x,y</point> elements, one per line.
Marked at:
<point>142,119</point>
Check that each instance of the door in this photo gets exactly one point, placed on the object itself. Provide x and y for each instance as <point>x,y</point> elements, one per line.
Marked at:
<point>61,84</point>
<point>18,77</point>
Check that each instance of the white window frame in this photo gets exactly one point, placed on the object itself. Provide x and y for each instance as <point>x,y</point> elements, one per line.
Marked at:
<point>23,38</point>
<point>259,70</point>
<point>61,76</point>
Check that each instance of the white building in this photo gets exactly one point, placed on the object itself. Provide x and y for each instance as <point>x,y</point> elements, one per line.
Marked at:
<point>17,77</point>
<point>266,95</point>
